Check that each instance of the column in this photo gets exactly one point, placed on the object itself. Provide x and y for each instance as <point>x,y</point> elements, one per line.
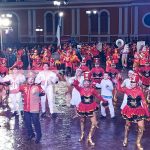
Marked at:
<point>120,21</point>
<point>29,25</point>
<point>126,20</point>
<point>34,25</point>
<point>136,21</point>
<point>78,22</point>
<point>73,22</point>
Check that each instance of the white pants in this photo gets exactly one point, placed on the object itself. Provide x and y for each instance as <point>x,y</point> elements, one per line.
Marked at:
<point>15,102</point>
<point>110,106</point>
<point>124,60</point>
<point>49,93</point>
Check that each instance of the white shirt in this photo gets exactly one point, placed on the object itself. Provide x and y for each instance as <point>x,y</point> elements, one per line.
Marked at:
<point>15,80</point>
<point>106,87</point>
<point>48,77</point>
<point>126,83</point>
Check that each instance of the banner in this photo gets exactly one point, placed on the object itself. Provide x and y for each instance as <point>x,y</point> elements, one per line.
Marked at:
<point>140,45</point>
<point>58,32</point>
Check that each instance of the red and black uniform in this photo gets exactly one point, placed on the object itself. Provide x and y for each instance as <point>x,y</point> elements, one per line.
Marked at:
<point>88,105</point>
<point>136,108</point>
<point>113,73</point>
<point>145,73</point>
<point>75,61</point>
<point>115,57</point>
<point>97,74</point>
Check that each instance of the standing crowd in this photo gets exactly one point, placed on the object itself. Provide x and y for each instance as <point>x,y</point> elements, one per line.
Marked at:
<point>94,77</point>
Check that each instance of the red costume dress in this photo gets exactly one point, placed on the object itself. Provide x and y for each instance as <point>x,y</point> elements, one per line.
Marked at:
<point>145,72</point>
<point>115,57</point>
<point>97,74</point>
<point>136,108</point>
<point>74,60</point>
<point>88,105</point>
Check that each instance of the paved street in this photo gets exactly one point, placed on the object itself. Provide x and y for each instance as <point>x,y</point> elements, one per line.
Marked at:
<point>63,132</point>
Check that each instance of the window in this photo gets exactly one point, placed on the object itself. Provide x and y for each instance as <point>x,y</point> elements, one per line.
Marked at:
<point>104,22</point>
<point>146,20</point>
<point>49,23</point>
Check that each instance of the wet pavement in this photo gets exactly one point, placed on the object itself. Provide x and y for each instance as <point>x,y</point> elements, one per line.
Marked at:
<point>63,132</point>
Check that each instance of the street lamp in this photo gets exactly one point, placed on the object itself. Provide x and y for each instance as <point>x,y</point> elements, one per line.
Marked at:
<point>5,24</point>
<point>61,14</point>
<point>57,3</point>
<point>39,31</point>
<point>89,13</point>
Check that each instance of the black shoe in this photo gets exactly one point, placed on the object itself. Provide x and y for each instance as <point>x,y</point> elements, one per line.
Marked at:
<point>37,141</point>
<point>102,117</point>
<point>54,115</point>
<point>14,114</point>
<point>43,115</point>
<point>113,118</point>
<point>31,137</point>
<point>22,114</point>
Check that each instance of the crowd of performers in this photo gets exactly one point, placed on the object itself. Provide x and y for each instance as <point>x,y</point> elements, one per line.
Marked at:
<point>89,84</point>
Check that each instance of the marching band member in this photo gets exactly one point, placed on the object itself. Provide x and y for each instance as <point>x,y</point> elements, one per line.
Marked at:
<point>47,78</point>
<point>18,63</point>
<point>136,61</point>
<point>83,66</point>
<point>4,88</point>
<point>106,86</point>
<point>108,63</point>
<point>136,110</point>
<point>3,62</point>
<point>37,64</point>
<point>46,56</point>
<point>124,57</point>
<point>97,72</point>
<point>115,57</point>
<point>68,64</point>
<point>144,72</point>
<point>74,60</point>
<point>88,106</point>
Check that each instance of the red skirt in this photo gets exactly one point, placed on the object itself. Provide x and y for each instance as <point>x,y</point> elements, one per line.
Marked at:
<point>134,114</point>
<point>87,109</point>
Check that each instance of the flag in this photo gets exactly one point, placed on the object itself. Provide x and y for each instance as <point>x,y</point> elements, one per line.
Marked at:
<point>58,33</point>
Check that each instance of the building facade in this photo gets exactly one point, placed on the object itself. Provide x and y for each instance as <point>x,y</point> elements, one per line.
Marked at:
<point>36,21</point>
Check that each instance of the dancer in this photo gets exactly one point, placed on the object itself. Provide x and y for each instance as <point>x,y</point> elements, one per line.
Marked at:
<point>126,83</point>
<point>88,106</point>
<point>136,110</point>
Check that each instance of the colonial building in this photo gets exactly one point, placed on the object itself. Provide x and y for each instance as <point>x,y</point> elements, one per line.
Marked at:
<point>36,21</point>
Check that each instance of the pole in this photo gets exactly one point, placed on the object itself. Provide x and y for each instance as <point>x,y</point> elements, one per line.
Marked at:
<point>1,39</point>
